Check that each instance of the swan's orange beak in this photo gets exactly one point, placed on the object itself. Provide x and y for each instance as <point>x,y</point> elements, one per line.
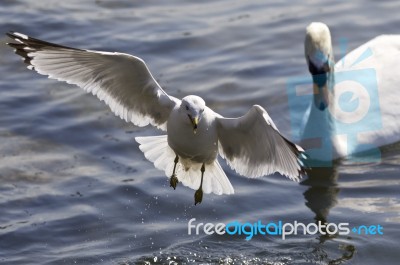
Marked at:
<point>321,96</point>
<point>322,79</point>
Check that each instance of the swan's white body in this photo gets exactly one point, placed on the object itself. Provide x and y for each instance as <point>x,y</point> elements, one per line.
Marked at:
<point>363,110</point>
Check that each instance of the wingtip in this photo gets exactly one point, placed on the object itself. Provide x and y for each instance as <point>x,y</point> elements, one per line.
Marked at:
<point>302,165</point>
<point>11,34</point>
<point>17,35</point>
<point>303,169</point>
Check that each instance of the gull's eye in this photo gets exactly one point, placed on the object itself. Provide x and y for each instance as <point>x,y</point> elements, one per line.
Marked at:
<point>187,107</point>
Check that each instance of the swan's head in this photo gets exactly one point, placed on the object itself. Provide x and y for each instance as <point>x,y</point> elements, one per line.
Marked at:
<point>319,56</point>
<point>193,107</point>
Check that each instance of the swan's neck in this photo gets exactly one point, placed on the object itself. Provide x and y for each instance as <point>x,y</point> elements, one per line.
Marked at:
<point>319,130</point>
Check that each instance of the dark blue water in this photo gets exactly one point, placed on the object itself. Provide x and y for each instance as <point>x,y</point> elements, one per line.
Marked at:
<point>75,188</point>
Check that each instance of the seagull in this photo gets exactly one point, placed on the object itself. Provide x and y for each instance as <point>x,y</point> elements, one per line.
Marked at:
<point>369,78</point>
<point>252,145</point>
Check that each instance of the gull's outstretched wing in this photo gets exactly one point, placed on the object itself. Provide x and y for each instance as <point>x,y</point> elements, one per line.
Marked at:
<point>121,80</point>
<point>253,146</point>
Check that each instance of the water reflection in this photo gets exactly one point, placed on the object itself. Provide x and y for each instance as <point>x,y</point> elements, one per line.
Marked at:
<point>321,197</point>
<point>322,194</point>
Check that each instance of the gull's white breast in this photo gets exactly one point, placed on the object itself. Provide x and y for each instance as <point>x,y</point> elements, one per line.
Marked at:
<point>200,147</point>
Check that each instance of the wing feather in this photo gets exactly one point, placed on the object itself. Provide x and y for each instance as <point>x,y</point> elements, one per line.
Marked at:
<point>253,146</point>
<point>121,80</point>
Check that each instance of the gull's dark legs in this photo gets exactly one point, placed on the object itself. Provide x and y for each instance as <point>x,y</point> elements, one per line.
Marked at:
<point>174,180</point>
<point>198,195</point>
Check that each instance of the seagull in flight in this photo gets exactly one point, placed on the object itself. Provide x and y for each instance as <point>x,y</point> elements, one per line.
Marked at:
<point>252,145</point>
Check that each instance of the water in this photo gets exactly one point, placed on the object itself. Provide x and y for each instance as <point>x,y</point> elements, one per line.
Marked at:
<point>75,189</point>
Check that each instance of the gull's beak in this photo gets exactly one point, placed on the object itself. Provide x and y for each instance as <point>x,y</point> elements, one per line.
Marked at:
<point>195,122</point>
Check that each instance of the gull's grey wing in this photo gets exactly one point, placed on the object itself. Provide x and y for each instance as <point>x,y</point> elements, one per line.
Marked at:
<point>253,146</point>
<point>121,80</point>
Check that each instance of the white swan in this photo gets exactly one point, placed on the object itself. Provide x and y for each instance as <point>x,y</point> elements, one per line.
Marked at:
<point>356,104</point>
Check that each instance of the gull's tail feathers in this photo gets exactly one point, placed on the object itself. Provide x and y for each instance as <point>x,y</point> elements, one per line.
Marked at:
<point>156,150</point>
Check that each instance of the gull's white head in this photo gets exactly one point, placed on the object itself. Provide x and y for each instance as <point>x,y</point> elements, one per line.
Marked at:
<point>319,56</point>
<point>193,107</point>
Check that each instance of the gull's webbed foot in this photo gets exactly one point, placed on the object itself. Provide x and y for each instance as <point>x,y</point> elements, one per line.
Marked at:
<point>198,196</point>
<point>173,181</point>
